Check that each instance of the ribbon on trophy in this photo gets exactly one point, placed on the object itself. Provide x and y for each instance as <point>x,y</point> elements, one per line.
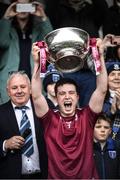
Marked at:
<point>96,56</point>
<point>43,56</point>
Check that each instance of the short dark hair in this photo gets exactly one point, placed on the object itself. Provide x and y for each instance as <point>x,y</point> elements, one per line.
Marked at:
<point>105,117</point>
<point>63,81</point>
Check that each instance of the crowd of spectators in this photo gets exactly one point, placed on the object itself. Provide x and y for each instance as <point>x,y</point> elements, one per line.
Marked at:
<point>18,34</point>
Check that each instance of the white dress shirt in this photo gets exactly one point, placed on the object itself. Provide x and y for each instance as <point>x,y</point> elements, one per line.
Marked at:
<point>29,165</point>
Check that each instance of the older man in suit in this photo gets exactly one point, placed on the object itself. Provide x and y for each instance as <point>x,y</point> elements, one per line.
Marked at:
<point>14,163</point>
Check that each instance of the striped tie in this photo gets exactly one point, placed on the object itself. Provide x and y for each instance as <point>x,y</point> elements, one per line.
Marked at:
<point>27,149</point>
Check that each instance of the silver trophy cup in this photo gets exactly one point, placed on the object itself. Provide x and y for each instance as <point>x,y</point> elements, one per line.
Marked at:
<point>68,48</point>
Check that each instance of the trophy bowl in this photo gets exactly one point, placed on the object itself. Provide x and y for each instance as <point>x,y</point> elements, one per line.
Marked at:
<point>67,48</point>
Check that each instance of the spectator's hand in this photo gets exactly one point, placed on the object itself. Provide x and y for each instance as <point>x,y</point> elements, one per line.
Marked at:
<point>115,102</point>
<point>106,42</point>
<point>117,94</point>
<point>39,10</point>
<point>114,105</point>
<point>11,11</point>
<point>15,142</point>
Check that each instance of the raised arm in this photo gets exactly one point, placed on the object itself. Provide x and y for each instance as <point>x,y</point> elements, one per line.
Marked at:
<point>98,96</point>
<point>41,106</point>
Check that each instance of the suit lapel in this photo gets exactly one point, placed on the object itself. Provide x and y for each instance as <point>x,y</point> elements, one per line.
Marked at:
<point>12,121</point>
<point>37,123</point>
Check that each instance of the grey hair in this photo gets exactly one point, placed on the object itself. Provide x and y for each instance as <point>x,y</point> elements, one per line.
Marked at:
<point>14,73</point>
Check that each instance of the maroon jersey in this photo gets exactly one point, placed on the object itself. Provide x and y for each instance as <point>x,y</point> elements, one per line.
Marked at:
<point>69,142</point>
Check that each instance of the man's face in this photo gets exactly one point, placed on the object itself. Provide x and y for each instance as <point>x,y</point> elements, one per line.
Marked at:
<point>19,90</point>
<point>102,130</point>
<point>67,99</point>
<point>114,80</point>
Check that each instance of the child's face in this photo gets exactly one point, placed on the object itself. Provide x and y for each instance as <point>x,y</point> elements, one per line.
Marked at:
<point>51,89</point>
<point>102,130</point>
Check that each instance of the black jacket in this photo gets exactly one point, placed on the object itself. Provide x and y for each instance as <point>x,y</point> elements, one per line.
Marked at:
<point>51,104</point>
<point>89,18</point>
<point>112,25</point>
<point>11,164</point>
<point>107,161</point>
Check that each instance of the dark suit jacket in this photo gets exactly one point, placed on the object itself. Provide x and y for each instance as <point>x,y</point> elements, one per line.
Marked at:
<point>11,164</point>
